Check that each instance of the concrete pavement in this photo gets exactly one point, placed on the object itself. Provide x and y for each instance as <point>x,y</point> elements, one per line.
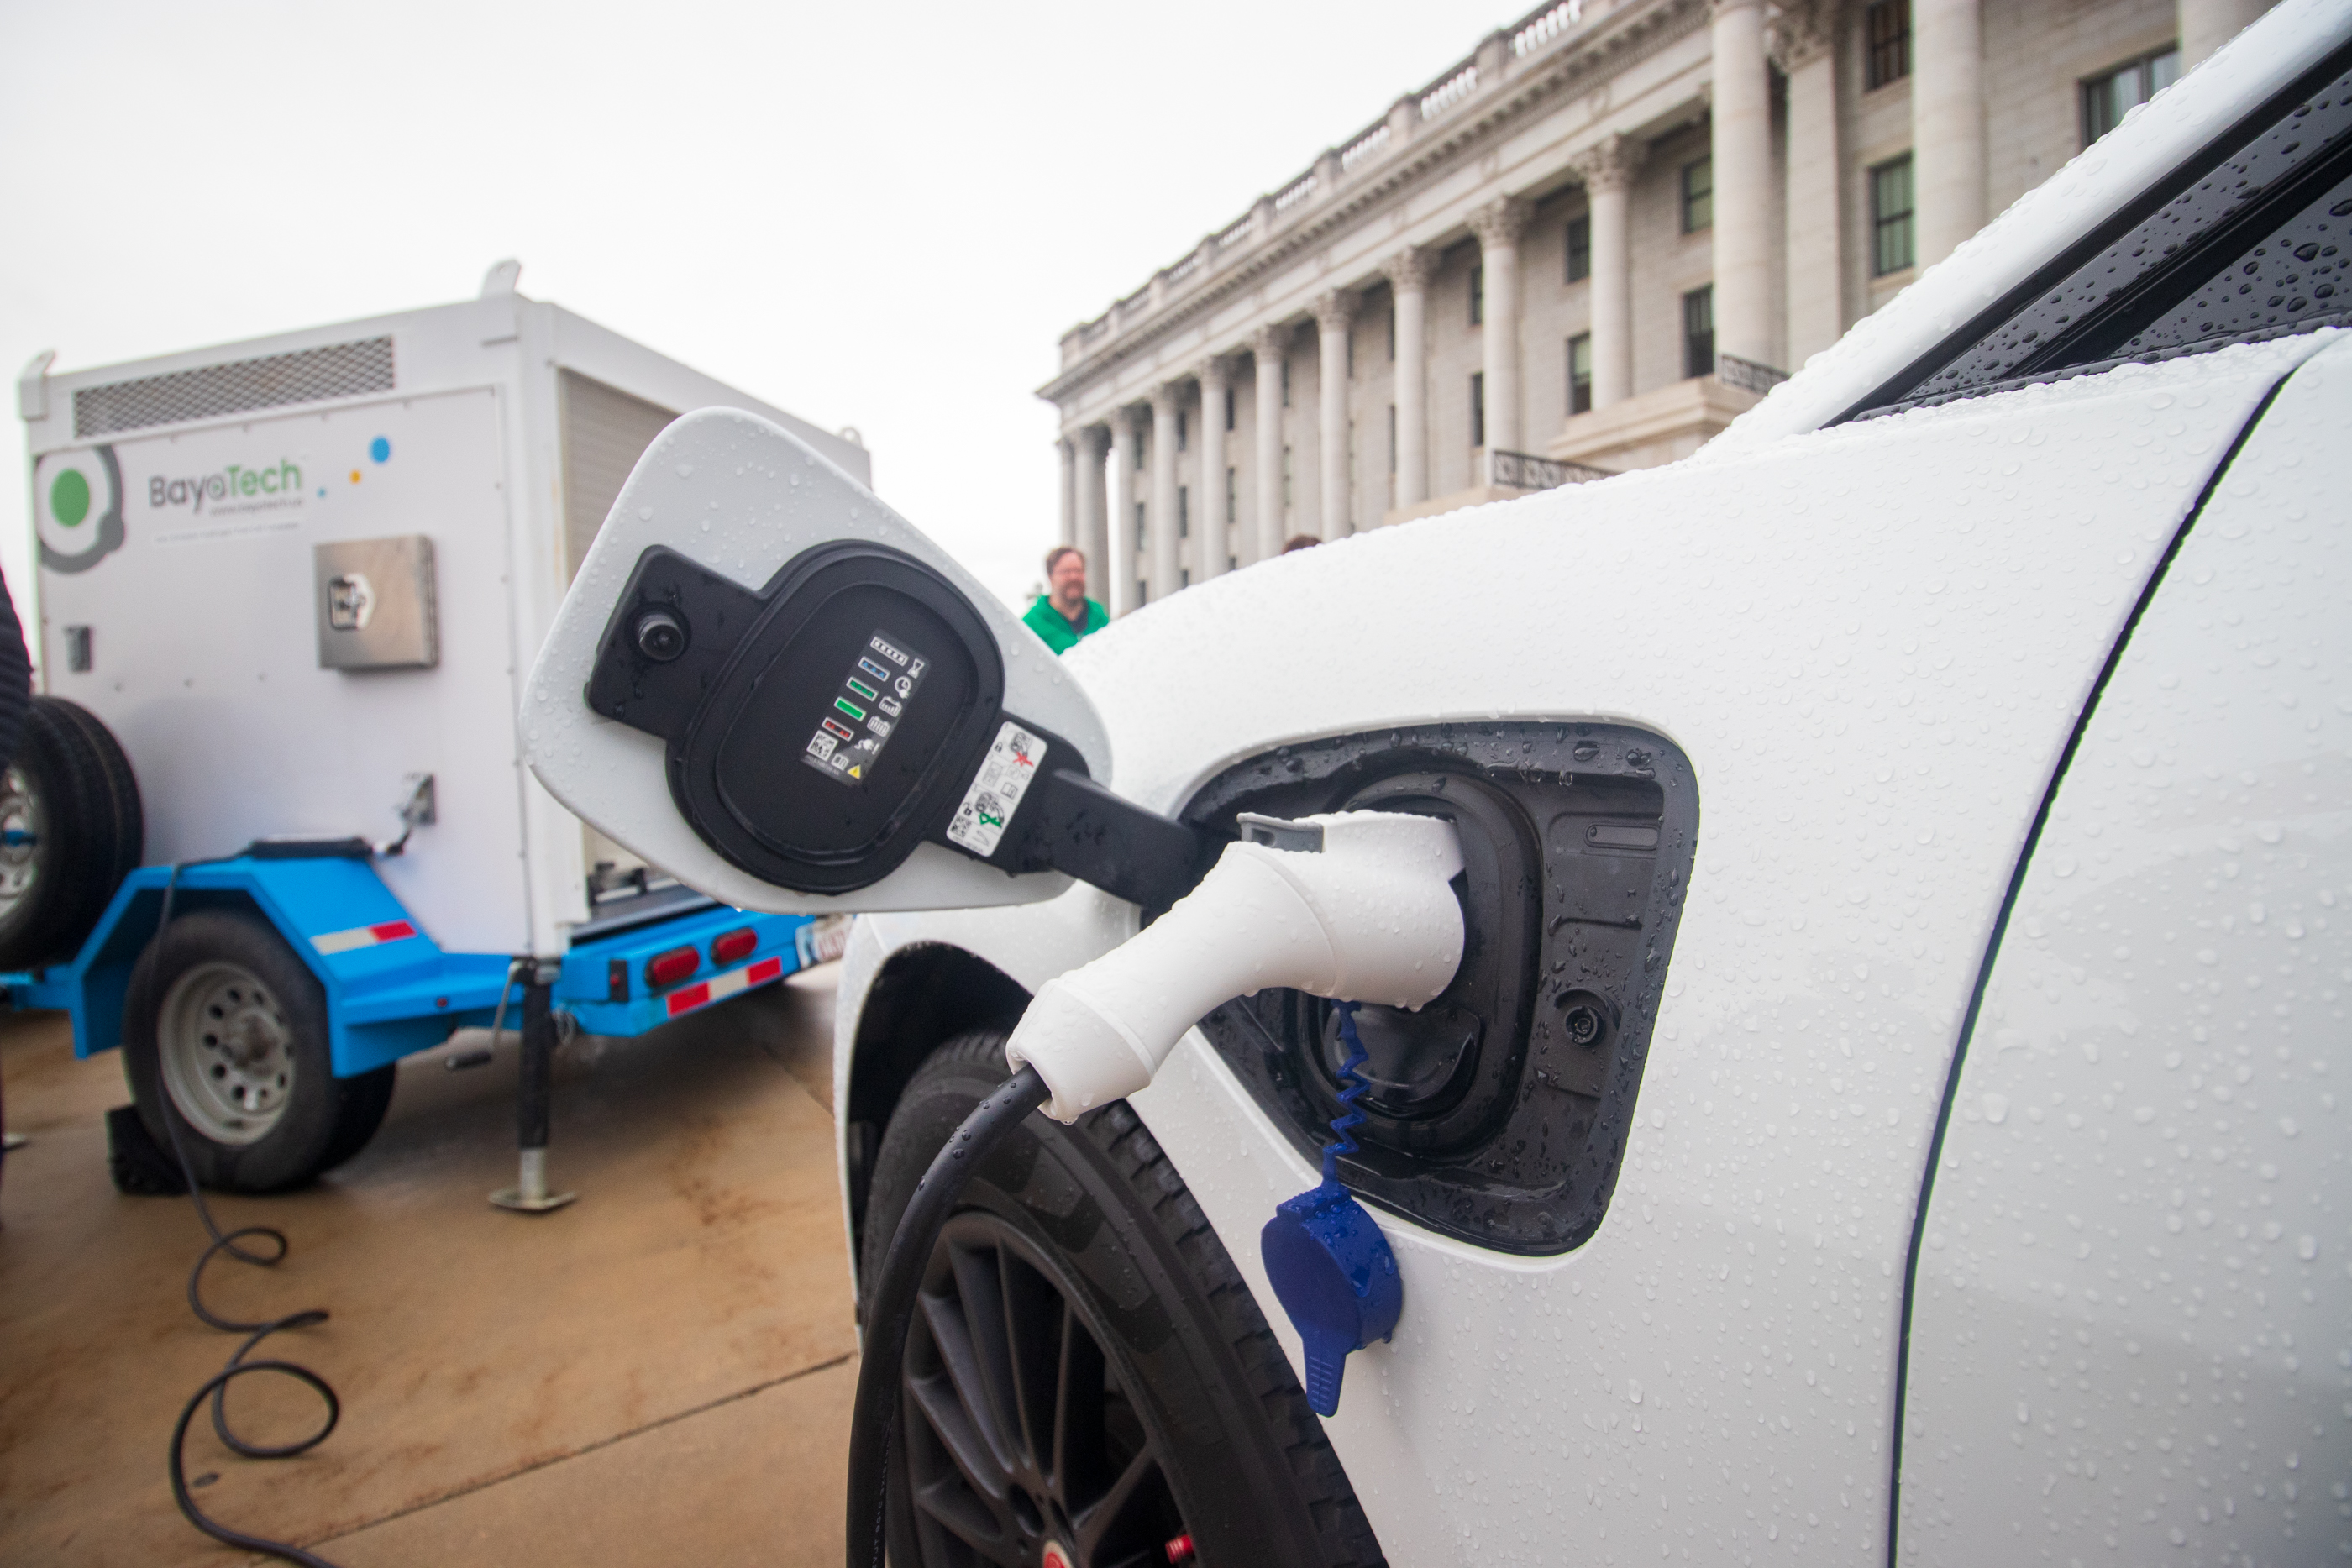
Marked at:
<point>659,1373</point>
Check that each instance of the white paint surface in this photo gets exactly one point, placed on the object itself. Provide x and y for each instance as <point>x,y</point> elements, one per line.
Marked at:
<point>1873,643</point>
<point>2134,1329</point>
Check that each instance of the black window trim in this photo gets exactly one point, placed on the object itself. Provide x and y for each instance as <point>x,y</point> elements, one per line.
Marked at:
<point>1892,395</point>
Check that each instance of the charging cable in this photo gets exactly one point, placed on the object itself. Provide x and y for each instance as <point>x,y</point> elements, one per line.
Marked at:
<point>1353,904</point>
<point>215,1387</point>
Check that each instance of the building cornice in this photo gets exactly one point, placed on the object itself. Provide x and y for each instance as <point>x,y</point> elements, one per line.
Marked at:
<point>1561,64</point>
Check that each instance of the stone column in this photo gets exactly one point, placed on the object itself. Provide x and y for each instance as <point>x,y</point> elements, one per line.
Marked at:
<point>1408,274</point>
<point>1122,523</point>
<point>1069,447</point>
<point>2206,24</point>
<point>1267,345</point>
<point>1742,152</point>
<point>1333,314</point>
<point>1166,561</point>
<point>1094,524</point>
<point>1947,124</point>
<point>1804,36</point>
<point>1209,504</point>
<point>1499,225</point>
<point>1607,169</point>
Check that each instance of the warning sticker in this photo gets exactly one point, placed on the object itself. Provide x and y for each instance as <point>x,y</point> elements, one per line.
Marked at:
<point>1004,777</point>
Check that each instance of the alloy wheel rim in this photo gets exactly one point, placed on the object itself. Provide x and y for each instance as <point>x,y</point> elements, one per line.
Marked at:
<point>20,840</point>
<point>1022,1437</point>
<point>227,1050</point>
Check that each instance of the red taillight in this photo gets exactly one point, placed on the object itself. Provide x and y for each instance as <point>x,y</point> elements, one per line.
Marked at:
<point>734,947</point>
<point>664,971</point>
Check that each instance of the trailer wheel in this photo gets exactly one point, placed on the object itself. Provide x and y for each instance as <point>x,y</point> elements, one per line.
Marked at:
<point>224,1033</point>
<point>70,831</point>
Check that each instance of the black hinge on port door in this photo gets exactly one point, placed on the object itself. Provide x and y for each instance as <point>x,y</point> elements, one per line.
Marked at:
<point>1498,1112</point>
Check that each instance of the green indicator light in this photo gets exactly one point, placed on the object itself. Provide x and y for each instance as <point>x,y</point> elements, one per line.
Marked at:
<point>863,690</point>
<point>851,708</point>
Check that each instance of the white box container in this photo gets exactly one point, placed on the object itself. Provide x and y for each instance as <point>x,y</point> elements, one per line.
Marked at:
<point>181,506</point>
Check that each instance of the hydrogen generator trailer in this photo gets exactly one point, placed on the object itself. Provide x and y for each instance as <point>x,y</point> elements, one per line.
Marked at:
<point>271,829</point>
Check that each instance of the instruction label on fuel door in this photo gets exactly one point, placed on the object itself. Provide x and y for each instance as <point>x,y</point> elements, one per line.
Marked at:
<point>1004,777</point>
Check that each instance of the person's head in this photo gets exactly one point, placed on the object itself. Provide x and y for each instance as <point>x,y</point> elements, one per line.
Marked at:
<point>1298,542</point>
<point>1066,578</point>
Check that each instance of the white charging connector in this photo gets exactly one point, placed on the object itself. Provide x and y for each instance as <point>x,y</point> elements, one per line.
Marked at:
<point>1362,910</point>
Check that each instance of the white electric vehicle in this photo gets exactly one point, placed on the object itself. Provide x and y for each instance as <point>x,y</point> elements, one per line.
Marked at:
<point>1886,1104</point>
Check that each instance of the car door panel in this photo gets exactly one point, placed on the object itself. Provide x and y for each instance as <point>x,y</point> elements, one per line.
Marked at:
<point>2133,1312</point>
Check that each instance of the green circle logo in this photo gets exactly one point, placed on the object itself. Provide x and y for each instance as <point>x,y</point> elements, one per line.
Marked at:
<point>69,497</point>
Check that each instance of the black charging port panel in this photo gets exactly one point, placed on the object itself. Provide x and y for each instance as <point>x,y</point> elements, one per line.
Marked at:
<point>820,727</point>
<point>1498,1113</point>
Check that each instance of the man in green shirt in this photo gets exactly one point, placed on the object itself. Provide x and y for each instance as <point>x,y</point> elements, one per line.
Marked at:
<point>1063,614</point>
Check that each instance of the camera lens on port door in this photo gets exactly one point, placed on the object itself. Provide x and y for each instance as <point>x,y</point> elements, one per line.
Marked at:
<point>661,635</point>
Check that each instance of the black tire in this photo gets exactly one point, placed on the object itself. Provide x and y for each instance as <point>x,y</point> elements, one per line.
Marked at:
<point>71,788</point>
<point>217,969</point>
<point>1080,1247</point>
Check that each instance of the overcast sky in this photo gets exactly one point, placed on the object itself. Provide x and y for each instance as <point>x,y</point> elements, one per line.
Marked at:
<point>880,216</point>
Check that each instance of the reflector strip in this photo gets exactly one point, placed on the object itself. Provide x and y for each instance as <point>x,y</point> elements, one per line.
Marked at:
<point>360,936</point>
<point>720,987</point>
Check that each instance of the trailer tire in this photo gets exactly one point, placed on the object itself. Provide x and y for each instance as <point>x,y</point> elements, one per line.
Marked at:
<point>73,830</point>
<point>224,1033</point>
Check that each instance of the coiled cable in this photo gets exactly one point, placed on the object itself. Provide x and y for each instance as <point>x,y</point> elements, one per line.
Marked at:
<point>215,1387</point>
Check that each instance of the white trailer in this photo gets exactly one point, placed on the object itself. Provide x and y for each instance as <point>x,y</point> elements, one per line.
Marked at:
<point>300,580</point>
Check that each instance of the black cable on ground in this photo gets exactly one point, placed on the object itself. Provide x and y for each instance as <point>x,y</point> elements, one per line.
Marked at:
<point>874,1418</point>
<point>215,1387</point>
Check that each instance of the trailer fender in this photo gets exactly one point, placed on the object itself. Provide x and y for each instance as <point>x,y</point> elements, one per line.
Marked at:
<point>390,990</point>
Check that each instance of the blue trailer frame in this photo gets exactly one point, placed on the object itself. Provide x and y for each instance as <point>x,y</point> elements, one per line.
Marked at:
<point>390,990</point>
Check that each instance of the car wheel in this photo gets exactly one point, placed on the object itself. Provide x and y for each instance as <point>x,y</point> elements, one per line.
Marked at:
<point>1088,1373</point>
<point>224,1033</point>
<point>70,831</point>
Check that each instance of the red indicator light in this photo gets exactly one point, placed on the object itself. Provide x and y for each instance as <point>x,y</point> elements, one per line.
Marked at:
<point>734,947</point>
<point>616,980</point>
<point>1179,1551</point>
<point>664,971</point>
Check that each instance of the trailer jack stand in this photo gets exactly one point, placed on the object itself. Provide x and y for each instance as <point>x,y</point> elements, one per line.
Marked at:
<point>533,1094</point>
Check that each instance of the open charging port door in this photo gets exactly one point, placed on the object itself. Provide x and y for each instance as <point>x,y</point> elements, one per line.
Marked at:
<point>776,689</point>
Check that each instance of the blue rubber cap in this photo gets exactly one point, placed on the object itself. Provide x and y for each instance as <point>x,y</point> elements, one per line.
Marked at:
<point>1333,1271</point>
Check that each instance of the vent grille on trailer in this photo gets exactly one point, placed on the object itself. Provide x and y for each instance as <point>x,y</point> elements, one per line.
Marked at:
<point>606,431</point>
<point>310,375</point>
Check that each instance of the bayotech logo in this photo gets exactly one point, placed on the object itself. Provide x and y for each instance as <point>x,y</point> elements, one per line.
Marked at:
<point>235,485</point>
<point>77,502</point>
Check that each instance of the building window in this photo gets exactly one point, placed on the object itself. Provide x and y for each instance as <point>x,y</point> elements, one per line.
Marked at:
<point>1142,542</point>
<point>1143,593</point>
<point>1478,409</point>
<point>1393,329</point>
<point>1229,408</point>
<point>1233,492</point>
<point>1891,237</point>
<point>1351,351</point>
<point>2107,97</point>
<point>1886,42</point>
<point>1139,454</point>
<point>1699,195</point>
<point>1391,438</point>
<point>1286,380</point>
<point>1183,511</point>
<point>1286,478</point>
<point>1579,249</point>
<point>1580,373</point>
<point>1699,331</point>
<point>1478,293</point>
<point>1183,577</point>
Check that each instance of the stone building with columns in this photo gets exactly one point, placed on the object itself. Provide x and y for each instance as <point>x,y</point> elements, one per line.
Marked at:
<point>1584,248</point>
